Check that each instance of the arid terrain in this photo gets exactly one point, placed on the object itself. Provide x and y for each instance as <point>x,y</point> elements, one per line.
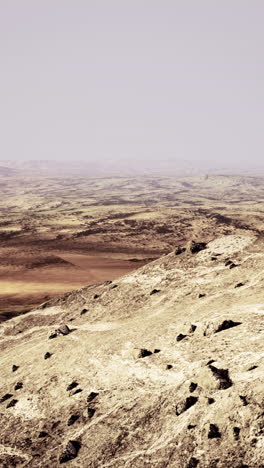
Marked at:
<point>60,231</point>
<point>160,368</point>
<point>132,321</point>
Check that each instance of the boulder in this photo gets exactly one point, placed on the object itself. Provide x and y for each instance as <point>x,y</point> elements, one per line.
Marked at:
<point>71,451</point>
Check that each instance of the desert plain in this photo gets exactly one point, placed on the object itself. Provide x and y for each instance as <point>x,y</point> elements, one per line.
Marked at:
<point>60,231</point>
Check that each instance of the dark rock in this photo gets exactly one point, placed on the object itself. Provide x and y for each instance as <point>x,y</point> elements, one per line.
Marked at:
<point>74,392</point>
<point>238,285</point>
<point>43,434</point>
<point>210,401</point>
<point>192,463</point>
<point>223,376</point>
<point>214,432</point>
<point>6,397</point>
<point>72,419</point>
<point>70,452</point>
<point>179,250</point>
<point>92,396</point>
<point>201,295</point>
<point>53,335</point>
<point>72,385</point>
<point>114,286</point>
<point>144,353</point>
<point>169,366</point>
<point>233,265</point>
<point>226,324</point>
<point>96,296</point>
<point>191,426</point>
<point>90,412</point>
<point>47,355</point>
<point>12,403</point>
<point>180,337</point>
<point>14,368</point>
<point>210,362</point>
<point>252,368</point>
<point>185,404</point>
<point>18,386</point>
<point>156,351</point>
<point>63,330</point>
<point>84,311</point>
<point>196,247</point>
<point>228,262</point>
<point>213,258</point>
<point>154,291</point>
<point>243,398</point>
<point>236,432</point>
<point>192,387</point>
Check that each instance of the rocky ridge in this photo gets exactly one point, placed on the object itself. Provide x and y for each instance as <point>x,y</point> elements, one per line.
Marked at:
<point>162,368</point>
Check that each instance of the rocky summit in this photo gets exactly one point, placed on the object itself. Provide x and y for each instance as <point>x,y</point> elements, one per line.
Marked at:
<point>161,368</point>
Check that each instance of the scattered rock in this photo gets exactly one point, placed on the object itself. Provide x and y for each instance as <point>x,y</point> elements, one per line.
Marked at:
<point>92,396</point>
<point>154,291</point>
<point>74,392</point>
<point>238,285</point>
<point>243,398</point>
<point>180,337</point>
<point>200,295</point>
<point>252,368</point>
<point>210,401</point>
<point>226,324</point>
<point>213,258</point>
<point>63,330</point>
<point>96,296</point>
<point>228,262</point>
<point>236,432</point>
<point>210,378</point>
<point>142,353</point>
<point>72,385</point>
<point>53,335</point>
<point>195,247</point>
<point>6,397</point>
<point>222,375</point>
<point>210,362</point>
<point>192,463</point>
<point>114,286</point>
<point>179,250</point>
<point>169,366</point>
<point>156,351</point>
<point>12,403</point>
<point>90,412</point>
<point>18,386</point>
<point>184,405</point>
<point>70,452</point>
<point>14,368</point>
<point>72,419</point>
<point>191,426</point>
<point>43,434</point>
<point>233,265</point>
<point>216,326</point>
<point>84,311</point>
<point>214,432</point>
<point>192,387</point>
<point>47,355</point>
<point>188,328</point>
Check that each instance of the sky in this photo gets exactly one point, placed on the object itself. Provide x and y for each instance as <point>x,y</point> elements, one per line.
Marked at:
<point>132,80</point>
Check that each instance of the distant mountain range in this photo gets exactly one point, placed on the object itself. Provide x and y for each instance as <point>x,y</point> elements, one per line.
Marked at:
<point>107,167</point>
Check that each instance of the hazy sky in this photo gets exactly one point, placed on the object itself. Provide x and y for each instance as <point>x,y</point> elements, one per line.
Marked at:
<point>135,79</point>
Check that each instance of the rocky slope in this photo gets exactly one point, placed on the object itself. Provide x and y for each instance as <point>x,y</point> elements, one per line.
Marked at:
<point>162,368</point>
